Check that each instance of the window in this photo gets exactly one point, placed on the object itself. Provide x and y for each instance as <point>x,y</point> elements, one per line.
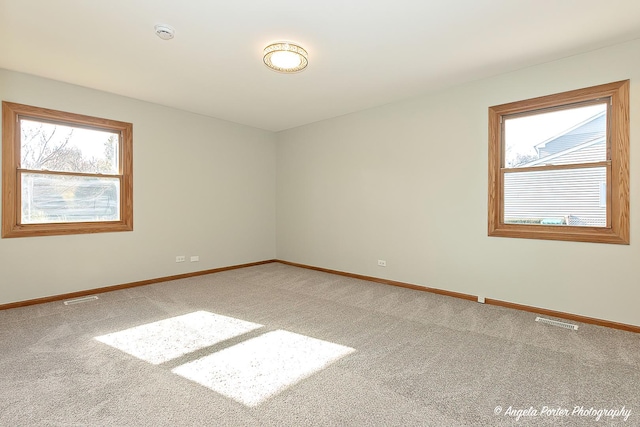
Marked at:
<point>559,166</point>
<point>64,173</point>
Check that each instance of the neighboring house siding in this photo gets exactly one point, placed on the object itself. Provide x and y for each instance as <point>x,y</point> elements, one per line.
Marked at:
<point>573,195</point>
<point>593,153</point>
<point>587,132</point>
<point>570,196</point>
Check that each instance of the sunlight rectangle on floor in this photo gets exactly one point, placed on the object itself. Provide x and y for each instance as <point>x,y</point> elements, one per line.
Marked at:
<point>261,367</point>
<point>164,340</point>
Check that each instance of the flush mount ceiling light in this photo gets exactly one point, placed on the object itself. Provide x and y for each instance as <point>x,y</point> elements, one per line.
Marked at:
<point>285,57</point>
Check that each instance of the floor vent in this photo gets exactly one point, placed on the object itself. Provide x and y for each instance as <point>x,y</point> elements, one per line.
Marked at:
<point>557,323</point>
<point>79,300</point>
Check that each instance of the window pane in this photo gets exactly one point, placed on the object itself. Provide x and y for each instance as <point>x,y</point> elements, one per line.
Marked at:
<point>56,147</point>
<point>54,198</point>
<point>575,135</point>
<point>556,197</point>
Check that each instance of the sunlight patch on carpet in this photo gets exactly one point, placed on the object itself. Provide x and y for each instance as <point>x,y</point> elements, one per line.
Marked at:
<point>161,341</point>
<point>261,367</point>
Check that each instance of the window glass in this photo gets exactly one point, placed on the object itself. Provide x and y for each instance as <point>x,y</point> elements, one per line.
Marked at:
<point>57,147</point>
<point>571,135</point>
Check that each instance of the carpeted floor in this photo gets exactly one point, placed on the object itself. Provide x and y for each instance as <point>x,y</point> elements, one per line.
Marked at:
<point>275,345</point>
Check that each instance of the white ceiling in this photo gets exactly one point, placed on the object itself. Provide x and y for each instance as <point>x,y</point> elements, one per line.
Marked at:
<point>362,53</point>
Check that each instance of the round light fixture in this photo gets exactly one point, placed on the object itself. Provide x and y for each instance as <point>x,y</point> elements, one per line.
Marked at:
<point>285,57</point>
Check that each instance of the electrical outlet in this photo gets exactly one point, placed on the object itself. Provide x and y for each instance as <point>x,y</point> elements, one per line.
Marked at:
<point>480,299</point>
<point>180,258</point>
<point>382,263</point>
<point>195,258</point>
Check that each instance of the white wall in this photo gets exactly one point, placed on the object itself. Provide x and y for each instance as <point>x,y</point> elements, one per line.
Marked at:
<point>201,187</point>
<point>407,183</point>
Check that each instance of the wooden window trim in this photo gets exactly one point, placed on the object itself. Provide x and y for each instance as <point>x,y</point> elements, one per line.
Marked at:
<point>617,230</point>
<point>11,215</point>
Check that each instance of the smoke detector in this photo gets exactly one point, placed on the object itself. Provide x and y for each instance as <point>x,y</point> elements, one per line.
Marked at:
<point>164,31</point>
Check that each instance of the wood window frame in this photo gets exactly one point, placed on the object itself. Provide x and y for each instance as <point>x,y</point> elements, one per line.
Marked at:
<point>11,191</point>
<point>617,164</point>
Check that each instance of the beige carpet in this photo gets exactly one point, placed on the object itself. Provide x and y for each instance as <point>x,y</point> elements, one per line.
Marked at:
<point>276,345</point>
